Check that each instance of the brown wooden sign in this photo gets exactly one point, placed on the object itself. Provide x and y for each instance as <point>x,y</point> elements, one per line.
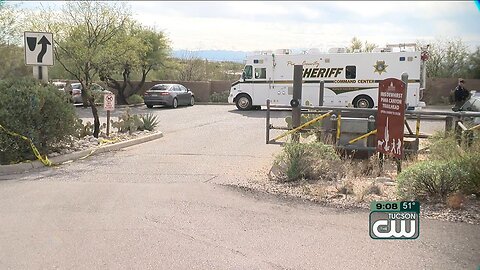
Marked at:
<point>391,117</point>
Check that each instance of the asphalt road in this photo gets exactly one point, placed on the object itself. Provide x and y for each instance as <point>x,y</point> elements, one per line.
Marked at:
<point>167,204</point>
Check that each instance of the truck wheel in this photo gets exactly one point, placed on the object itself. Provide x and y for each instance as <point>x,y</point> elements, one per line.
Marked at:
<point>363,101</point>
<point>244,102</point>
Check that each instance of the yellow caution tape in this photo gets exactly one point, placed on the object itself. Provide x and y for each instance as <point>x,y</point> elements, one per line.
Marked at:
<point>104,141</point>
<point>101,141</point>
<point>44,160</point>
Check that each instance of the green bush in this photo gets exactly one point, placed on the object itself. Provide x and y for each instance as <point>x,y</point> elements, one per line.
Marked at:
<point>450,168</point>
<point>37,111</point>
<point>444,147</point>
<point>470,165</point>
<point>313,160</point>
<point>437,179</point>
<point>429,180</point>
<point>135,99</point>
<point>219,97</point>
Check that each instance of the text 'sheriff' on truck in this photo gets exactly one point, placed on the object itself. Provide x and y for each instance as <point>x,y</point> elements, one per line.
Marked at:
<point>351,79</point>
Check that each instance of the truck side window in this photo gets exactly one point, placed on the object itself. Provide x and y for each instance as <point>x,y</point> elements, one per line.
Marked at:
<point>260,73</point>
<point>247,72</point>
<point>351,72</point>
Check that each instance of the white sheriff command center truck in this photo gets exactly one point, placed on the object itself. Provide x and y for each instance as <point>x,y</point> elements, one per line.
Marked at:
<point>351,79</point>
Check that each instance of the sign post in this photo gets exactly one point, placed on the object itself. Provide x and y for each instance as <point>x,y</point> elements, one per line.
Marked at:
<point>391,117</point>
<point>108,105</point>
<point>296,101</point>
<point>39,53</point>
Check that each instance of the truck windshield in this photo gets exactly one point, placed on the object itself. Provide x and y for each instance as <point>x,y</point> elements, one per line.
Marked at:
<point>247,72</point>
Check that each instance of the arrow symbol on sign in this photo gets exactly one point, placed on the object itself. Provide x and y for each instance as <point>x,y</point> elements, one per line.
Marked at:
<point>44,42</point>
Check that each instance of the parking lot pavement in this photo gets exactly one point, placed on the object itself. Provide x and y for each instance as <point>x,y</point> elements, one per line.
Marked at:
<point>162,205</point>
<point>278,116</point>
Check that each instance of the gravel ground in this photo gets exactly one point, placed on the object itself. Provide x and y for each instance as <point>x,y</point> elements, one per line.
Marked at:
<point>90,142</point>
<point>327,193</point>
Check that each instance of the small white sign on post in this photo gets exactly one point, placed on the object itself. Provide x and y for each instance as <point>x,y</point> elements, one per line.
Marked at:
<point>109,102</point>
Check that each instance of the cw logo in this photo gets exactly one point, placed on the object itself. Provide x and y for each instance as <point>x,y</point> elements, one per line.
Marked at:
<point>402,233</point>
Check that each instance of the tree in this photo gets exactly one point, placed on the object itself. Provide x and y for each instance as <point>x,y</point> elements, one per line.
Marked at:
<point>474,65</point>
<point>86,39</point>
<point>11,53</point>
<point>192,68</point>
<point>356,45</point>
<point>447,58</point>
<point>148,52</point>
<point>9,26</point>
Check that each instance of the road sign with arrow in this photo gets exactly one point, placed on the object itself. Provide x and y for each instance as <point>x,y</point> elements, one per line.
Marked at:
<point>38,48</point>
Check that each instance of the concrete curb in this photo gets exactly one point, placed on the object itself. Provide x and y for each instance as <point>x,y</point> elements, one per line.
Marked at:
<point>24,167</point>
<point>131,105</point>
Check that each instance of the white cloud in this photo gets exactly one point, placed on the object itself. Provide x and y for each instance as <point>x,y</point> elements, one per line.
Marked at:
<point>248,25</point>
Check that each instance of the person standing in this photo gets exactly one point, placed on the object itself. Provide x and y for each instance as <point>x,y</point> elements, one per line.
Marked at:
<point>461,94</point>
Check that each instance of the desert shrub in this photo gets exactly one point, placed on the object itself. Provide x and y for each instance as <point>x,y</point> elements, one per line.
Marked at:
<point>345,188</point>
<point>448,170</point>
<point>150,121</point>
<point>82,130</point>
<point>469,164</point>
<point>128,122</point>
<point>219,97</point>
<point>313,160</point>
<point>135,99</point>
<point>432,179</point>
<point>361,168</point>
<point>37,111</point>
<point>443,147</point>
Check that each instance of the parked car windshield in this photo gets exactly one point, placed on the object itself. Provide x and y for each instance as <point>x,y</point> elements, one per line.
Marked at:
<point>160,87</point>
<point>77,86</point>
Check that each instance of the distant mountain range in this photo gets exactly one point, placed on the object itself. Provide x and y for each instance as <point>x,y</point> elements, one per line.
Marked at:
<point>212,55</point>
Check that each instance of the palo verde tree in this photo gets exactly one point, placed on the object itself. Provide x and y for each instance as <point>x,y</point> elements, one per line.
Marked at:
<point>87,35</point>
<point>147,51</point>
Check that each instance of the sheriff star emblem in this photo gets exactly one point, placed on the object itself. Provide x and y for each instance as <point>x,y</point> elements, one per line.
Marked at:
<point>380,67</point>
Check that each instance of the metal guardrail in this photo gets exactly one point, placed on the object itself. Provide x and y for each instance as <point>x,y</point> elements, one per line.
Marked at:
<point>453,120</point>
<point>304,125</point>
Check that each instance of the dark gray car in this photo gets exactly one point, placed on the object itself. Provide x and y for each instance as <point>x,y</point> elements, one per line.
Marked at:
<point>172,95</point>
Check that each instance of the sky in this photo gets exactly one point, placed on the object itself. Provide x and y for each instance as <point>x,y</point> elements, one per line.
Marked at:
<point>270,25</point>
